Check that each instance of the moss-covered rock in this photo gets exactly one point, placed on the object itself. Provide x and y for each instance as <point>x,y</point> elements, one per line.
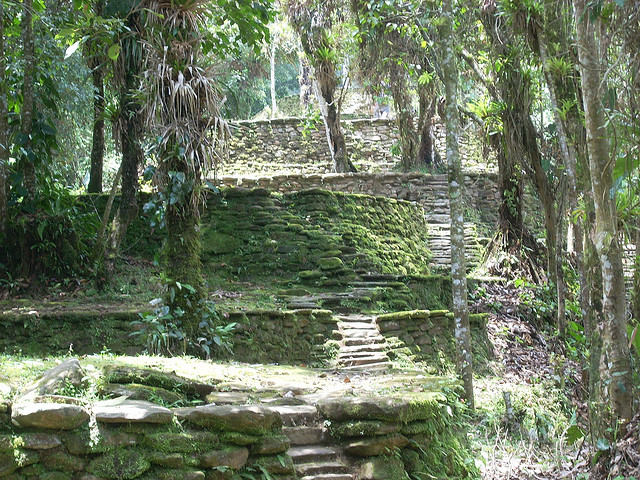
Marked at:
<point>251,419</point>
<point>181,442</point>
<point>234,458</point>
<point>391,409</point>
<point>363,428</point>
<point>120,464</point>
<point>372,446</point>
<point>389,467</point>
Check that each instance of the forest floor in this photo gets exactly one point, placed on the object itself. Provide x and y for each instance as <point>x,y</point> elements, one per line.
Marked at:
<point>544,389</point>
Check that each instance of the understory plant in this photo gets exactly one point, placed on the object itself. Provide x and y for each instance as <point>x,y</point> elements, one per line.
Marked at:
<point>163,331</point>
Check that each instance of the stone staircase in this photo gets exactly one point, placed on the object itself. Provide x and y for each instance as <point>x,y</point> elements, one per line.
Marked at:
<point>362,346</point>
<point>313,456</point>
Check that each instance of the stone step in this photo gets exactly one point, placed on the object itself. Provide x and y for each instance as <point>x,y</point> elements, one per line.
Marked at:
<point>363,353</point>
<point>356,326</point>
<point>351,342</point>
<point>360,333</point>
<point>364,361</point>
<point>373,367</point>
<point>305,435</point>
<point>295,415</point>
<point>321,468</point>
<point>372,285</point>
<point>366,348</point>
<point>312,453</point>
<point>329,476</point>
<point>302,306</point>
<point>380,277</point>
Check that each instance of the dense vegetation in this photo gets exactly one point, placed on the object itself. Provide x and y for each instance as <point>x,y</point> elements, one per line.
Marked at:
<point>552,87</point>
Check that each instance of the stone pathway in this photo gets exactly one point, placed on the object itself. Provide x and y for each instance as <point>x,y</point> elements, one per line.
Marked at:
<point>314,458</point>
<point>362,346</point>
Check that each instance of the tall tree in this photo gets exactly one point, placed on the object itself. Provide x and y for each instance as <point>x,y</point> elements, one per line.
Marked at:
<point>456,207</point>
<point>27,159</point>
<point>615,366</point>
<point>183,108</point>
<point>313,21</point>
<point>96,63</point>
<point>392,57</point>
<point>4,133</point>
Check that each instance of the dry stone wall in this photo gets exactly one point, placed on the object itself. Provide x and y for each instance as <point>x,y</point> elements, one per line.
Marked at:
<point>393,437</point>
<point>284,336</point>
<point>429,191</point>
<point>299,146</point>
<point>47,436</point>
<point>423,335</point>
<point>293,145</point>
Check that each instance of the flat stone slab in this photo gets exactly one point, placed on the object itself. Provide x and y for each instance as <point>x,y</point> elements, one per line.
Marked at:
<point>69,372</point>
<point>40,441</point>
<point>370,447</point>
<point>131,411</point>
<point>56,416</point>
<point>252,419</point>
<point>398,410</point>
<point>228,398</point>
<point>293,415</point>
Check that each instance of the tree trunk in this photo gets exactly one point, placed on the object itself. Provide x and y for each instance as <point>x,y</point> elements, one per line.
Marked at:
<point>326,81</point>
<point>27,162</point>
<point>4,134</point>
<point>97,147</point>
<point>404,118</point>
<point>615,366</point>
<point>305,83</point>
<point>272,77</point>
<point>185,284</point>
<point>456,208</point>
<point>428,153</point>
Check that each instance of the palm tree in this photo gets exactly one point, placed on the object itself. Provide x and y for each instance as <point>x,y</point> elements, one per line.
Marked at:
<point>182,107</point>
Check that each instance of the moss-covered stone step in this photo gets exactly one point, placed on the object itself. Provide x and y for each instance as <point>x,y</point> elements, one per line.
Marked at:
<point>316,469</point>
<point>361,331</point>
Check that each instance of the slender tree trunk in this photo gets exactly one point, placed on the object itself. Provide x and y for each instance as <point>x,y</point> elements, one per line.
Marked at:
<point>456,207</point>
<point>305,83</point>
<point>635,305</point>
<point>272,78</point>
<point>615,366</point>
<point>404,118</point>
<point>97,147</point>
<point>132,157</point>
<point>27,162</point>
<point>326,81</point>
<point>182,251</point>
<point>4,134</point>
<point>428,153</point>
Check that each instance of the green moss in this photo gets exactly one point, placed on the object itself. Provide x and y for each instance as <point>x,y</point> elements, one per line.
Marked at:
<point>219,243</point>
<point>362,428</point>
<point>385,467</point>
<point>120,464</point>
<point>182,442</point>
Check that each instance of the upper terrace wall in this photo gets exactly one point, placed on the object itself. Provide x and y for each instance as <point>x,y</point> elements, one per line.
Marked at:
<point>295,146</point>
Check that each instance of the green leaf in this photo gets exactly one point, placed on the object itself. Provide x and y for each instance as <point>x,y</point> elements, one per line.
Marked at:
<point>71,49</point>
<point>114,51</point>
<point>603,444</point>
<point>574,433</point>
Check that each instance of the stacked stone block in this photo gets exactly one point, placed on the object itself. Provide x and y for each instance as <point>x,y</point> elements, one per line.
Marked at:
<point>47,436</point>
